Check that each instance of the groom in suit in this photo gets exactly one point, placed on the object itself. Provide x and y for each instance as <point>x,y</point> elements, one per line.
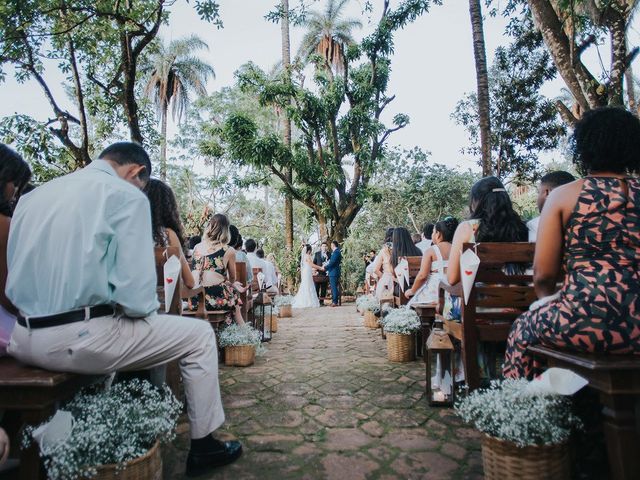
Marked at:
<point>333,270</point>
<point>320,259</point>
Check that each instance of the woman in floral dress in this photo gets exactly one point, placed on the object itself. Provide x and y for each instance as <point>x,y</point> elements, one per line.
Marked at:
<point>215,268</point>
<point>592,226</point>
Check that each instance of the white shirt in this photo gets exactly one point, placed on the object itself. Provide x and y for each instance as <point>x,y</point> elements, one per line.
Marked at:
<point>423,245</point>
<point>532,225</point>
<point>371,268</point>
<point>82,240</point>
<point>270,277</point>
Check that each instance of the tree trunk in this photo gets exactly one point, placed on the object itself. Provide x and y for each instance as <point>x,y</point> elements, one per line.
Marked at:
<point>163,142</point>
<point>286,64</point>
<point>618,32</point>
<point>482,79</point>
<point>631,93</point>
<point>322,227</point>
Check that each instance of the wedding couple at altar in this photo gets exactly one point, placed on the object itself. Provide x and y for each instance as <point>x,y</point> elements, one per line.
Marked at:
<point>307,296</point>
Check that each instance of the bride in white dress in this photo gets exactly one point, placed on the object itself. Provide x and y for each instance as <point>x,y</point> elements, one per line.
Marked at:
<point>306,296</point>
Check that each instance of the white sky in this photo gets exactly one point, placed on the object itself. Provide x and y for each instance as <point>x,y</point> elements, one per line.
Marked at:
<point>432,68</point>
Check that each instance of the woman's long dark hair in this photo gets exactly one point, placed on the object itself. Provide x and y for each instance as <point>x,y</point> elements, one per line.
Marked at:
<point>499,222</point>
<point>164,211</point>
<point>403,246</point>
<point>447,227</point>
<point>13,169</point>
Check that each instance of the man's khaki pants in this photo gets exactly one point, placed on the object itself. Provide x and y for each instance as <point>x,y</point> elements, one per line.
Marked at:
<point>108,344</point>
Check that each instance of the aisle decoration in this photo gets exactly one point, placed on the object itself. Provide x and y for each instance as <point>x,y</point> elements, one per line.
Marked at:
<point>399,325</point>
<point>241,343</point>
<point>439,357</point>
<point>526,429</point>
<point>113,433</point>
<point>371,308</point>
<point>282,305</point>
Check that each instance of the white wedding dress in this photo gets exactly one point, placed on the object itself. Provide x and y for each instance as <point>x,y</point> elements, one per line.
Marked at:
<point>306,296</point>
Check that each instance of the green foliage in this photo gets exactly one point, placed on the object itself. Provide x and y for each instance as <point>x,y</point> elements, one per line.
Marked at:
<point>338,122</point>
<point>523,122</point>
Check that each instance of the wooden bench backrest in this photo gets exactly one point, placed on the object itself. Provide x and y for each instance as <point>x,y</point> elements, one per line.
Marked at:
<point>162,254</point>
<point>495,289</point>
<point>414,269</point>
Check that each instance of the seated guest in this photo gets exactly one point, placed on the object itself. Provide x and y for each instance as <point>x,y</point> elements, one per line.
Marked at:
<point>271,283</point>
<point>241,256</point>
<point>87,299</point>
<point>591,225</point>
<point>492,219</point>
<point>427,233</point>
<point>215,267</point>
<point>191,244</point>
<point>271,258</point>
<point>165,223</point>
<point>271,276</point>
<point>14,176</point>
<point>547,184</point>
<point>402,247</point>
<point>416,238</point>
<point>434,263</point>
<point>383,268</point>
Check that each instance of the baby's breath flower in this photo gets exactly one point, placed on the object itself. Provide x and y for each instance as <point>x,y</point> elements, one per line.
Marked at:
<point>402,320</point>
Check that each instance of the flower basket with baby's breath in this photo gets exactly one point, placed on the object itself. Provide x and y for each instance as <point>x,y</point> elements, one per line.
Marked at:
<point>399,325</point>
<point>241,343</point>
<point>370,306</point>
<point>526,434</point>
<point>115,433</point>
<point>282,305</point>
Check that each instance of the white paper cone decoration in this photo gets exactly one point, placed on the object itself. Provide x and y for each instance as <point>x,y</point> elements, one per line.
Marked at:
<point>54,431</point>
<point>260,280</point>
<point>469,263</point>
<point>171,275</point>
<point>402,273</point>
<point>559,381</point>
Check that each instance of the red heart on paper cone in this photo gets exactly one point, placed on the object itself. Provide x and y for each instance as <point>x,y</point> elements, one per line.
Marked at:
<point>169,280</point>
<point>468,272</point>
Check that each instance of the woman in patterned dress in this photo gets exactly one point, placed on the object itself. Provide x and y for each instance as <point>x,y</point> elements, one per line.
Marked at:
<point>215,268</point>
<point>592,226</point>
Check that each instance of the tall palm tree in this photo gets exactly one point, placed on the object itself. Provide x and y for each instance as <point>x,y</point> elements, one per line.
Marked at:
<point>286,63</point>
<point>173,75</point>
<point>482,80</point>
<point>328,34</point>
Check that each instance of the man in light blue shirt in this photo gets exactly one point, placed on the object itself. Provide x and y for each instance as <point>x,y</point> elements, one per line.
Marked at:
<point>82,274</point>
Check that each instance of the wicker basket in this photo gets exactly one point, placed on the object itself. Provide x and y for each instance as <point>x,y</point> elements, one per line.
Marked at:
<point>370,320</point>
<point>284,311</point>
<point>147,467</point>
<point>504,460</point>
<point>239,355</point>
<point>274,324</point>
<point>400,348</point>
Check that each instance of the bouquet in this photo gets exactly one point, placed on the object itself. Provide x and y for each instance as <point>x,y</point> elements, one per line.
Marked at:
<point>110,426</point>
<point>507,410</point>
<point>403,321</point>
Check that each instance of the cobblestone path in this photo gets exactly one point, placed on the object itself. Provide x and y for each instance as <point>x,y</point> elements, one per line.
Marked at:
<point>324,402</point>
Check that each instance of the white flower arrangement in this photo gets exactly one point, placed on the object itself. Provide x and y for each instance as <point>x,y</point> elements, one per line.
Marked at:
<point>403,321</point>
<point>111,426</point>
<point>369,304</point>
<point>508,412</point>
<point>282,300</point>
<point>237,335</point>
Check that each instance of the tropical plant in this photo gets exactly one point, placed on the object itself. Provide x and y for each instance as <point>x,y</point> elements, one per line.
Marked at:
<point>173,74</point>
<point>112,426</point>
<point>507,411</point>
<point>328,34</point>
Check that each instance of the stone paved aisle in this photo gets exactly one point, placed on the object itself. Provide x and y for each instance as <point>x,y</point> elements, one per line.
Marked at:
<point>324,402</point>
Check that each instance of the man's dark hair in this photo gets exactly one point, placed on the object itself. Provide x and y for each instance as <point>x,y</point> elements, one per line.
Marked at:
<point>335,242</point>
<point>235,234</point>
<point>323,243</point>
<point>607,139</point>
<point>13,169</point>
<point>127,153</point>
<point>427,231</point>
<point>555,179</point>
<point>260,253</point>
<point>193,241</point>
<point>250,245</point>
<point>388,234</point>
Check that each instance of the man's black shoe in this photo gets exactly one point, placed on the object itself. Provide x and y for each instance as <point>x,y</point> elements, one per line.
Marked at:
<point>219,454</point>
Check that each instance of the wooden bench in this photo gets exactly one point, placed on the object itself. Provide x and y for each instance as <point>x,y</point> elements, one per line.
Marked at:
<point>617,380</point>
<point>414,269</point>
<point>495,301</point>
<point>35,395</point>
